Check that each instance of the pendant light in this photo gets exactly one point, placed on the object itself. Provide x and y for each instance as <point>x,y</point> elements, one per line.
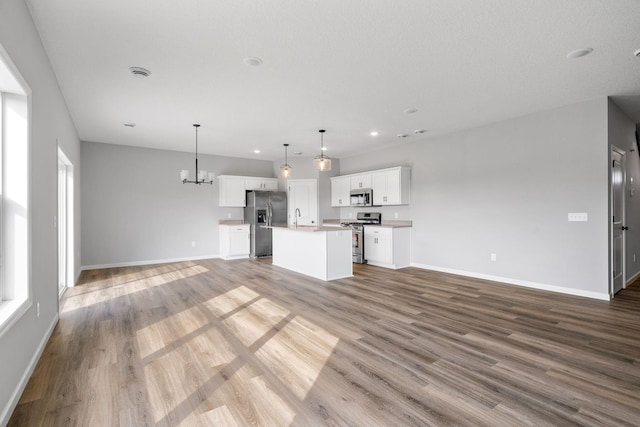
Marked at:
<point>202,176</point>
<point>322,162</point>
<point>285,169</point>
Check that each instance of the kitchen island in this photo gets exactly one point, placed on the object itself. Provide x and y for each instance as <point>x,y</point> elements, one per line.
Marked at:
<point>320,252</point>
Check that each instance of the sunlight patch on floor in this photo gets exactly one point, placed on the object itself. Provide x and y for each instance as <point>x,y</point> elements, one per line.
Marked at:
<point>177,381</point>
<point>79,297</point>
<point>169,330</point>
<point>297,354</point>
<point>229,301</point>
<point>253,322</point>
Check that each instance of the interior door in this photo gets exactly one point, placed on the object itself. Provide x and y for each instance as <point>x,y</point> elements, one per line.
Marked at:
<point>617,220</point>
<point>303,201</point>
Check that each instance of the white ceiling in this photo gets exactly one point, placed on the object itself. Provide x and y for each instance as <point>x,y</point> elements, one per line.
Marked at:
<point>349,66</point>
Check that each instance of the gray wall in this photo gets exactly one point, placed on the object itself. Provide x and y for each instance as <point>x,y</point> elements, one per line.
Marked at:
<point>136,210</point>
<point>622,135</point>
<point>506,189</point>
<point>50,120</point>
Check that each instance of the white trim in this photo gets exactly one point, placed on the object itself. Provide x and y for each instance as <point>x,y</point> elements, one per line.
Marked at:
<point>632,279</point>
<point>149,262</point>
<point>7,411</point>
<point>534,285</point>
<point>11,311</point>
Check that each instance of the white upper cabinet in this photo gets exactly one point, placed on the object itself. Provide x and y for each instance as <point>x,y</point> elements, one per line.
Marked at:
<point>232,191</point>
<point>340,188</point>
<point>233,188</point>
<point>360,181</point>
<point>390,186</point>
<point>261,184</point>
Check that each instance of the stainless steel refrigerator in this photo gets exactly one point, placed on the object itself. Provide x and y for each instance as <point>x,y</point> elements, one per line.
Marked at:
<point>264,208</point>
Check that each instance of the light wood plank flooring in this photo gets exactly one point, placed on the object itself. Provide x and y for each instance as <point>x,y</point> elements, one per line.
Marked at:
<point>237,343</point>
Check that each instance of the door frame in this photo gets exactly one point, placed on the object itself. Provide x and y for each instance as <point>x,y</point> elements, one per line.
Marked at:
<point>615,151</point>
<point>65,223</point>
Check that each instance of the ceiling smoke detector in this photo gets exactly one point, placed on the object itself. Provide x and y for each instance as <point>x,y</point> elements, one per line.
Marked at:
<point>411,110</point>
<point>129,125</point>
<point>252,61</point>
<point>637,53</point>
<point>579,53</point>
<point>419,131</point>
<point>402,135</point>
<point>140,72</point>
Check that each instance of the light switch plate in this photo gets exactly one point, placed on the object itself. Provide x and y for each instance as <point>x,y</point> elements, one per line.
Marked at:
<point>578,216</point>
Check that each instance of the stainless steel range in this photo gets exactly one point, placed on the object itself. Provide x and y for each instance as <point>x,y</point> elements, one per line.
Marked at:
<point>357,233</point>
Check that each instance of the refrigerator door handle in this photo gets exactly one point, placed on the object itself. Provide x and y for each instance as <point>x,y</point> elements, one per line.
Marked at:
<point>269,213</point>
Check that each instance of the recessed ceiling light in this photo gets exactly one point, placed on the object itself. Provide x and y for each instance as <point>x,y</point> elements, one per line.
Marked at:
<point>637,53</point>
<point>129,125</point>
<point>256,151</point>
<point>411,110</point>
<point>374,133</point>
<point>418,131</point>
<point>324,148</point>
<point>578,53</point>
<point>402,135</point>
<point>252,61</point>
<point>140,72</point>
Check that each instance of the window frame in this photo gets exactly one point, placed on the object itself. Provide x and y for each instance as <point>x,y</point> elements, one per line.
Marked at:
<point>12,307</point>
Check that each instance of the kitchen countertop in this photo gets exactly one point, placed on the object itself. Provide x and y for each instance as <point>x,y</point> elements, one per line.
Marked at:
<point>388,223</point>
<point>231,222</point>
<point>306,228</point>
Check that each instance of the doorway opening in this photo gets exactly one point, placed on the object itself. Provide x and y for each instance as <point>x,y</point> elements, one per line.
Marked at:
<point>65,223</point>
<point>618,228</point>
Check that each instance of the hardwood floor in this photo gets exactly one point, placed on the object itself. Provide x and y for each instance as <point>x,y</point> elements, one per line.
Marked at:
<point>236,343</point>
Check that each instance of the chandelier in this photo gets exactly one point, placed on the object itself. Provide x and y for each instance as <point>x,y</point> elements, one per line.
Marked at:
<point>202,176</point>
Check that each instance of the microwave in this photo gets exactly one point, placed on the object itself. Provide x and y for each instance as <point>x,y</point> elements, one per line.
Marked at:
<point>362,197</point>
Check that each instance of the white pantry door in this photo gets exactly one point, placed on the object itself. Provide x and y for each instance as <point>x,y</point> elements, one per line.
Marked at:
<point>303,196</point>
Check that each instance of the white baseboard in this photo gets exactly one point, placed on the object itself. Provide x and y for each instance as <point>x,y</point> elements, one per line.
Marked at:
<point>149,262</point>
<point>632,279</point>
<point>534,285</point>
<point>7,411</point>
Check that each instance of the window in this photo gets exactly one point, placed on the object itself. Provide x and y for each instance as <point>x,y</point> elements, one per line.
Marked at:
<point>14,184</point>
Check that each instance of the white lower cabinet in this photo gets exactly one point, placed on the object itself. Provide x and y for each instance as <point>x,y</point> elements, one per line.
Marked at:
<point>387,246</point>
<point>234,241</point>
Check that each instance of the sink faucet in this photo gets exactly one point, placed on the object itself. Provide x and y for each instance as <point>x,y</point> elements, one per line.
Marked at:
<point>297,214</point>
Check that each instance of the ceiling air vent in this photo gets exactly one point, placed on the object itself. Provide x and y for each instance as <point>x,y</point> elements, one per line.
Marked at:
<point>140,72</point>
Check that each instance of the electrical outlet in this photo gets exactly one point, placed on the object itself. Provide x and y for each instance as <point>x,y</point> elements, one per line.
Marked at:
<point>193,244</point>
<point>493,257</point>
<point>37,309</point>
<point>634,257</point>
<point>229,215</point>
<point>578,216</point>
<point>395,215</point>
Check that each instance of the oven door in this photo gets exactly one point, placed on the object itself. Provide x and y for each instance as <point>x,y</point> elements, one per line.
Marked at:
<point>357,245</point>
